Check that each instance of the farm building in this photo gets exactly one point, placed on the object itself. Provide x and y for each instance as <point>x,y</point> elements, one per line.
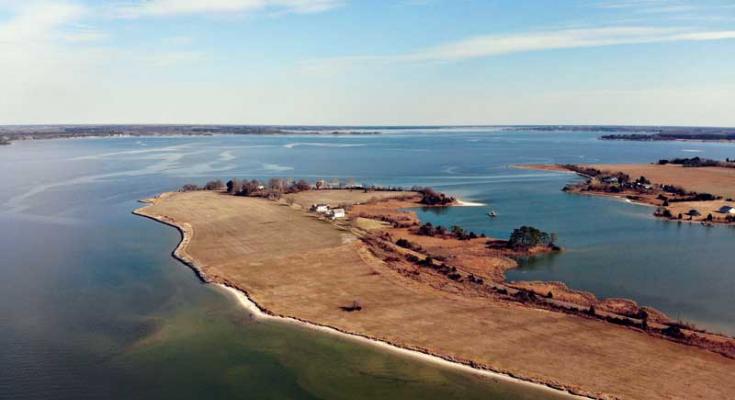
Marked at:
<point>336,213</point>
<point>320,208</point>
<point>727,210</point>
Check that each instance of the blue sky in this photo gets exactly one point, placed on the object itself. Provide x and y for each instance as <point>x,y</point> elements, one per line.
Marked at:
<point>368,62</point>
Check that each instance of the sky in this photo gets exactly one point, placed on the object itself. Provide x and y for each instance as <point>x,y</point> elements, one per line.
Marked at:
<point>368,62</point>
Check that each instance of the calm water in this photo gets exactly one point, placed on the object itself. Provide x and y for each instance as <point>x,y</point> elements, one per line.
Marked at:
<point>92,305</point>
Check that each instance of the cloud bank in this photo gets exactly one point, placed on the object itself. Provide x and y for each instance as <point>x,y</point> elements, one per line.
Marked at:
<point>161,8</point>
<point>496,45</point>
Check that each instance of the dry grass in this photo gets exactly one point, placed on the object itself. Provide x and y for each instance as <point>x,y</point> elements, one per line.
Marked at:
<point>715,180</point>
<point>294,265</point>
<point>704,207</point>
<point>339,197</point>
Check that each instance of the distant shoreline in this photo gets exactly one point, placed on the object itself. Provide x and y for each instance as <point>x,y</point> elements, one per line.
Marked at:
<point>12,133</point>
<point>8,139</point>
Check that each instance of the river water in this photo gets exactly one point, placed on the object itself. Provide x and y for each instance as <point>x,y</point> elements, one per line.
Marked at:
<point>93,306</point>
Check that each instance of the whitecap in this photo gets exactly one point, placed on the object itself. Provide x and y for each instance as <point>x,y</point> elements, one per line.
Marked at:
<point>292,145</point>
<point>226,156</point>
<point>276,167</point>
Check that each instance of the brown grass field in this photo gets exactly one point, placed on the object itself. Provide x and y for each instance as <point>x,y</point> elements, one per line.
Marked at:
<point>293,264</point>
<point>340,197</point>
<point>715,180</point>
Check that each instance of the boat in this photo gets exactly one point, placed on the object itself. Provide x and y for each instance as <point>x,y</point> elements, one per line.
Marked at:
<point>492,214</point>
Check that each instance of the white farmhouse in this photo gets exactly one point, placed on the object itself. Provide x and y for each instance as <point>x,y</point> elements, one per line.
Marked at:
<point>337,213</point>
<point>320,208</point>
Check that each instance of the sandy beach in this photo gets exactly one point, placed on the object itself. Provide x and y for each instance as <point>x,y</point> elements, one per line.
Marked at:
<point>311,269</point>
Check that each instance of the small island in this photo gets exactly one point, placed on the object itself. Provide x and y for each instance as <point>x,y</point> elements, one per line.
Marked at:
<point>692,134</point>
<point>358,260</point>
<point>683,189</point>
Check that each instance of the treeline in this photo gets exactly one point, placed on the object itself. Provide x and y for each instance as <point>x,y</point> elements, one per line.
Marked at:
<point>431,197</point>
<point>523,238</point>
<point>695,162</point>
<point>455,231</point>
<point>724,135</point>
<point>274,188</point>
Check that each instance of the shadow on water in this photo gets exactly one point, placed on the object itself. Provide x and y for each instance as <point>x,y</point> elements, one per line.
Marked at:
<point>435,210</point>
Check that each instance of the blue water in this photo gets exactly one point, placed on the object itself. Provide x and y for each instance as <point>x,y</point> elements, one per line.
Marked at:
<point>93,305</point>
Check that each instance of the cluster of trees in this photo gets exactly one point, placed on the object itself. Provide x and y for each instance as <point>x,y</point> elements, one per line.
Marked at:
<point>587,171</point>
<point>211,185</point>
<point>673,189</point>
<point>406,244</point>
<point>274,188</point>
<point>429,262</point>
<point>457,232</point>
<point>607,182</point>
<point>684,195</point>
<point>431,197</point>
<point>695,162</point>
<point>527,237</point>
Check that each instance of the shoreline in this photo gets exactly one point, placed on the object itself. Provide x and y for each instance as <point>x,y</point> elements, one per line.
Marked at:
<point>259,312</point>
<point>670,207</point>
<point>166,209</point>
<point>463,203</point>
<point>248,304</point>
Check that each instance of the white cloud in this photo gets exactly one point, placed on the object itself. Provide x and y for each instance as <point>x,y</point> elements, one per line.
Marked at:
<point>668,9</point>
<point>84,35</point>
<point>495,45</point>
<point>35,22</point>
<point>178,7</point>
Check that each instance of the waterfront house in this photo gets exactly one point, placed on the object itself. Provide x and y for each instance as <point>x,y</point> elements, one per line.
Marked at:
<point>727,210</point>
<point>320,208</point>
<point>610,180</point>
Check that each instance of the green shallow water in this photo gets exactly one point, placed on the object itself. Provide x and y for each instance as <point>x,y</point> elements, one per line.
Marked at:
<point>223,353</point>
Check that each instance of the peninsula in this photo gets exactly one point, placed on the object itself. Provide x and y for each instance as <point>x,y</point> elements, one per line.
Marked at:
<point>358,261</point>
<point>690,189</point>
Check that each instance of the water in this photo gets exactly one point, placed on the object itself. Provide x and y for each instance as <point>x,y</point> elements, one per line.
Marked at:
<point>93,305</point>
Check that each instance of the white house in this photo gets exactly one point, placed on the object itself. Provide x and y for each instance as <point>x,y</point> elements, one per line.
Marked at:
<point>727,210</point>
<point>320,208</point>
<point>337,213</point>
<point>610,179</point>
